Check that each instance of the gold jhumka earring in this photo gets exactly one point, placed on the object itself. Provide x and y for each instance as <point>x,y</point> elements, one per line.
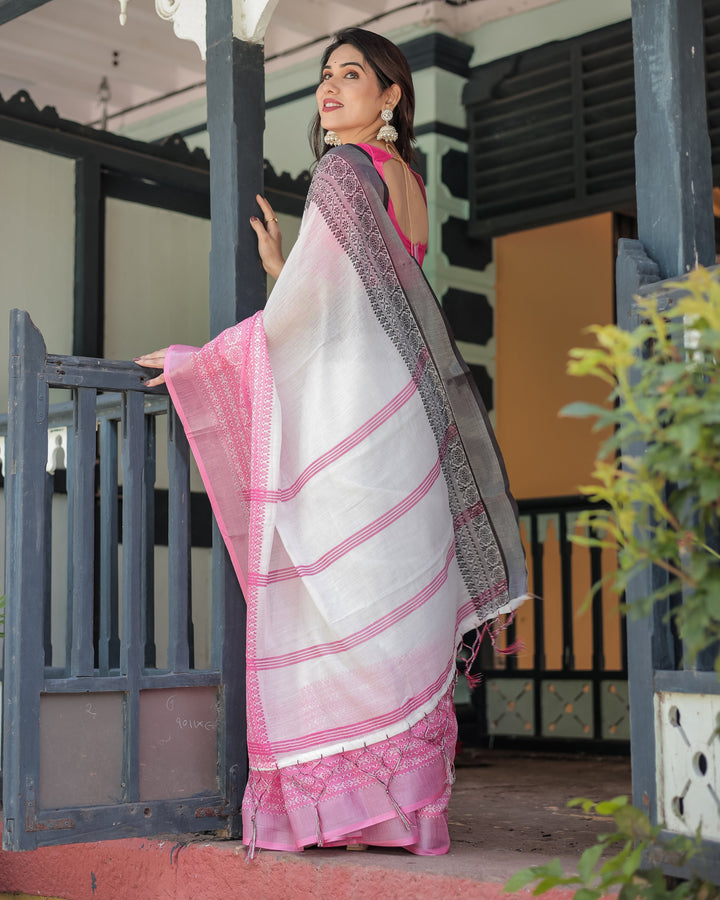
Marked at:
<point>387,133</point>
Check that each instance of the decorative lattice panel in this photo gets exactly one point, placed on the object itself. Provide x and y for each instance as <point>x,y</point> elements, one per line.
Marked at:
<point>615,710</point>
<point>567,708</point>
<point>510,706</point>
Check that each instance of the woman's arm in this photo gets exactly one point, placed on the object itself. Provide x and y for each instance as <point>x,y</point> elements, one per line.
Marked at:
<point>269,238</point>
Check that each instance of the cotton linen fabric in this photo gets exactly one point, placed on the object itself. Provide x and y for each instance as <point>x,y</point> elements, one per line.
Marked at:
<point>364,503</point>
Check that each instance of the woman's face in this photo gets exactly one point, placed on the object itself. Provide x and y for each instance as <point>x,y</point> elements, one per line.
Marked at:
<point>350,98</point>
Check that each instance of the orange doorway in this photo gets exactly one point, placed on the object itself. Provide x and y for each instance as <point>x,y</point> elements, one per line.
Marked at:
<point>551,283</point>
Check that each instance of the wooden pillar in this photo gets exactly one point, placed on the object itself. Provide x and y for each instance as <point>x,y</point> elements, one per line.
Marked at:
<point>236,121</point>
<point>672,146</point>
<point>676,232</point>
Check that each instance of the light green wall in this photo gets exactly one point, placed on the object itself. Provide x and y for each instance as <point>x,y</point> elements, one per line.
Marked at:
<point>156,273</point>
<point>554,22</point>
<point>171,121</point>
<point>37,235</point>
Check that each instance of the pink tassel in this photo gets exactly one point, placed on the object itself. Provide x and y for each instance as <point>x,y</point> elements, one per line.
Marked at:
<point>511,649</point>
<point>400,814</point>
<point>494,633</point>
<point>251,845</point>
<point>318,830</point>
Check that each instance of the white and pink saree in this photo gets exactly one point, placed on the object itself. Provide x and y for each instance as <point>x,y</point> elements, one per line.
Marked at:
<point>365,506</point>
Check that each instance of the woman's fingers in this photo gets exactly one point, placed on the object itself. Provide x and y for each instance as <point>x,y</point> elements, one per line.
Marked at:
<point>267,211</point>
<point>269,238</point>
<point>152,360</point>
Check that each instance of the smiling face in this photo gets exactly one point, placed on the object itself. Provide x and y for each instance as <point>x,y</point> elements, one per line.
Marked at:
<point>350,98</point>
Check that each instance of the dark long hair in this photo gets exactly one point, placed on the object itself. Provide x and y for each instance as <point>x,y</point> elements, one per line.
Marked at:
<point>389,64</point>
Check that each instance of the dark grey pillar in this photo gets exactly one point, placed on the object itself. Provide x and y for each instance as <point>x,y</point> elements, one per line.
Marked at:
<point>672,147</point>
<point>236,121</point>
<point>677,232</point>
<point>89,286</point>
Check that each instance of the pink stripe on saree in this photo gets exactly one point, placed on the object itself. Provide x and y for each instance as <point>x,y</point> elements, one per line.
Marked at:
<point>365,506</point>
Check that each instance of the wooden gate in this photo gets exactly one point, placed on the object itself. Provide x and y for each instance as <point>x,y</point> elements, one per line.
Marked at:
<point>104,742</point>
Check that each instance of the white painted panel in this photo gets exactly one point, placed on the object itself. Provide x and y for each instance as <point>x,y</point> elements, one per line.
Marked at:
<point>687,760</point>
<point>37,235</point>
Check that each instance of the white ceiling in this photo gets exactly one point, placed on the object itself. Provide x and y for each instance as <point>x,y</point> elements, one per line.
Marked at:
<point>61,51</point>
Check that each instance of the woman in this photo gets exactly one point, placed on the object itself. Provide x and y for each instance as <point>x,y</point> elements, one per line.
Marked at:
<point>358,487</point>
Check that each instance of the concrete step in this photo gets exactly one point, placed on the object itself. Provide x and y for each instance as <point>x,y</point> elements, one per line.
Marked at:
<point>508,811</point>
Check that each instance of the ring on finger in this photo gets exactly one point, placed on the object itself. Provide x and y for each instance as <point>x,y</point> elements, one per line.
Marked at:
<point>272,219</point>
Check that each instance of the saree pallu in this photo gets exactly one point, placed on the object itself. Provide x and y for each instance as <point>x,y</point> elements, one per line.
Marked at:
<point>365,506</point>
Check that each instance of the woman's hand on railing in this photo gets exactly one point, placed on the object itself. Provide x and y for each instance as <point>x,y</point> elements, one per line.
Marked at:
<point>154,360</point>
<point>269,238</point>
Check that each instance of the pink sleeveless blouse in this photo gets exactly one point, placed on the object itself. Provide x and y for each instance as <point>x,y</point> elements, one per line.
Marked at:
<point>379,158</point>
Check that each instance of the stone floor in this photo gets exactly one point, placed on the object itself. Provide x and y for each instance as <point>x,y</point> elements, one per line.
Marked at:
<point>508,811</point>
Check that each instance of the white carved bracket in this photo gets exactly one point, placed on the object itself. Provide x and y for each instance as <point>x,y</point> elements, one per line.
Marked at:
<point>188,18</point>
<point>251,19</point>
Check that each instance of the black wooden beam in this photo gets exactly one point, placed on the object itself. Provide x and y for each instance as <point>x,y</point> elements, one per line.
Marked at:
<point>88,300</point>
<point>672,146</point>
<point>236,121</point>
<point>132,158</point>
<point>11,9</point>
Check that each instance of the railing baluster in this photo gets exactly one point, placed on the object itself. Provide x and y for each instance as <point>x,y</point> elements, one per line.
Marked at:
<point>131,654</point>
<point>598,626</point>
<point>148,566</point>
<point>70,463</point>
<point>568,652</point>
<point>178,546</point>
<point>109,643</point>
<point>82,485</point>
<point>47,586</point>
<point>598,639</point>
<point>537,550</point>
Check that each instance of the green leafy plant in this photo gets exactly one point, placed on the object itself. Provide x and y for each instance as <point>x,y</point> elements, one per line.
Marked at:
<point>658,477</point>
<point>658,472</point>
<point>600,871</point>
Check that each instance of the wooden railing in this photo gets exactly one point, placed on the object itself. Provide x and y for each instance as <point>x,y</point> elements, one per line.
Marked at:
<point>565,686</point>
<point>108,723</point>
